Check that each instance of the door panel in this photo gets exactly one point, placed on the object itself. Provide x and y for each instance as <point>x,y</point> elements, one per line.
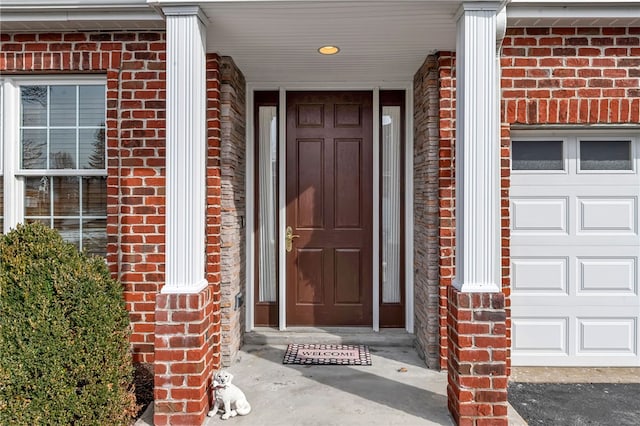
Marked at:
<point>329,206</point>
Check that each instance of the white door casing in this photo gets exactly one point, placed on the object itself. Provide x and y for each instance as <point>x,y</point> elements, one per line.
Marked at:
<point>251,238</point>
<point>574,259</point>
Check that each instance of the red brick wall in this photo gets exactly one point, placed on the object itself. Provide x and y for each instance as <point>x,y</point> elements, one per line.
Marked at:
<point>571,76</point>
<point>567,76</point>
<point>446,191</point>
<point>477,371</point>
<point>185,357</point>
<point>134,66</point>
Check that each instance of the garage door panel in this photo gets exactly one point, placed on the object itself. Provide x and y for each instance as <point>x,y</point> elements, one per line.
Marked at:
<point>607,275</point>
<point>602,335</point>
<point>607,214</point>
<point>546,275</point>
<point>547,335</point>
<point>540,215</point>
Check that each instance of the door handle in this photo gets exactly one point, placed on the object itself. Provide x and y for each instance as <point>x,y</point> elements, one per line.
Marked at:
<point>288,239</point>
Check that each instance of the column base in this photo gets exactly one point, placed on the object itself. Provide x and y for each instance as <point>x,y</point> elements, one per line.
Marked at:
<point>477,366</point>
<point>183,358</point>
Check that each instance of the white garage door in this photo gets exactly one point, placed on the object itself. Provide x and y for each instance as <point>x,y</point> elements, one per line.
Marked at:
<point>575,250</point>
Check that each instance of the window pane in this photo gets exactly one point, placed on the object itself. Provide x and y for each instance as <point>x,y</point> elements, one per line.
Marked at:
<point>92,106</point>
<point>34,105</point>
<point>69,229</point>
<point>268,184</point>
<point>85,228</point>
<point>94,236</point>
<point>537,155</point>
<point>605,155</point>
<point>94,196</point>
<point>391,193</point>
<point>62,149</point>
<point>37,197</point>
<point>66,195</point>
<point>34,149</point>
<point>92,149</point>
<point>63,106</point>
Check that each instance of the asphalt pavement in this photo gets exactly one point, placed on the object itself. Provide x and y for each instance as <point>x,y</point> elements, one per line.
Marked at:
<point>577,404</point>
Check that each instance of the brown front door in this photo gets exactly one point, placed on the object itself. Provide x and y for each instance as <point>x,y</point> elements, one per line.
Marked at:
<point>329,205</point>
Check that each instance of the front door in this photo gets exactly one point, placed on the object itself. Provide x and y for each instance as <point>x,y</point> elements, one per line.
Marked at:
<point>329,208</point>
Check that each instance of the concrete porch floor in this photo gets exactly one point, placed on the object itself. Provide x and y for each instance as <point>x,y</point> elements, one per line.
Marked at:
<point>380,394</point>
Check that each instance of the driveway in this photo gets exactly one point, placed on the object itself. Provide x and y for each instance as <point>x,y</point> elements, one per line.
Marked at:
<point>577,396</point>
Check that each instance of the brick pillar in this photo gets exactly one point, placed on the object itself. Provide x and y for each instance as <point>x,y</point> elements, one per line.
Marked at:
<point>184,357</point>
<point>477,367</point>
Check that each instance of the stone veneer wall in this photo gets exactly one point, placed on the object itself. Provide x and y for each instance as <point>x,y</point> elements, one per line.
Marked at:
<point>425,176</point>
<point>233,256</point>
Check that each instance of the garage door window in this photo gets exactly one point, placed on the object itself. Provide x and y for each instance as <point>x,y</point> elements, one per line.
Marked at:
<point>605,155</point>
<point>537,155</point>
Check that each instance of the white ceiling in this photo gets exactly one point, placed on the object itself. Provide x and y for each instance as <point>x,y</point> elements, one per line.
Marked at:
<point>379,41</point>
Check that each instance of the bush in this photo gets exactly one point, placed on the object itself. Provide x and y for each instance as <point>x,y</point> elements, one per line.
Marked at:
<point>63,335</point>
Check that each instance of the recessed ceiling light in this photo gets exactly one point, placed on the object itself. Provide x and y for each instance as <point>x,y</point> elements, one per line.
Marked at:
<point>328,50</point>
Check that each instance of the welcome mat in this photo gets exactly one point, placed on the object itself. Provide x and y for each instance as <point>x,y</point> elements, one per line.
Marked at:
<point>327,355</point>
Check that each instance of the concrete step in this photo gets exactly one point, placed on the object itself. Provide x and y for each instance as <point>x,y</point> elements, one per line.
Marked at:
<point>330,336</point>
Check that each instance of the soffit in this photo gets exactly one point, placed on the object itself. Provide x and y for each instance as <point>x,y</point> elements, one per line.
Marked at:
<point>379,41</point>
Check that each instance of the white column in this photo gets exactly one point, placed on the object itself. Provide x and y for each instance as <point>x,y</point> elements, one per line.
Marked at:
<point>478,253</point>
<point>186,150</point>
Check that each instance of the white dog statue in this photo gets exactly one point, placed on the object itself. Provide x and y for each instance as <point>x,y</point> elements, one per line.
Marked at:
<point>228,396</point>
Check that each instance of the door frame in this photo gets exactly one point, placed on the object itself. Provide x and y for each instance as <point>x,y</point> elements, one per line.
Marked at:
<point>250,236</point>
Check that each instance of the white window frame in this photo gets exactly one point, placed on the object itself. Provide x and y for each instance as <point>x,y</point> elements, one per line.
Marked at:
<point>543,138</point>
<point>10,169</point>
<point>571,139</point>
<point>605,139</point>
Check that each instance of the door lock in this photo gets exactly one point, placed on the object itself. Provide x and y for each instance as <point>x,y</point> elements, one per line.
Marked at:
<point>288,239</point>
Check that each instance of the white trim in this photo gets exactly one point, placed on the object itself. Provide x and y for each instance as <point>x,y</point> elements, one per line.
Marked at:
<point>282,208</point>
<point>565,11</point>
<point>51,80</point>
<point>47,15</point>
<point>375,222</point>
<point>61,172</point>
<point>186,11</point>
<point>283,88</point>
<point>186,154</point>
<point>408,212</point>
<point>477,153</point>
<point>250,210</point>
<point>13,186</point>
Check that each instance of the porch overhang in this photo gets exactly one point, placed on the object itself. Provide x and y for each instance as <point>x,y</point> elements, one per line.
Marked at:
<point>278,41</point>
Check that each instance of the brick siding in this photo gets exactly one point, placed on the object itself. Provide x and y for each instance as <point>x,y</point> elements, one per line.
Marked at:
<point>446,191</point>
<point>184,358</point>
<point>477,368</point>
<point>134,66</point>
<point>183,331</point>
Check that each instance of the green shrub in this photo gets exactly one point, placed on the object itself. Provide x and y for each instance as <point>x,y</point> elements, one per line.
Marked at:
<point>63,335</point>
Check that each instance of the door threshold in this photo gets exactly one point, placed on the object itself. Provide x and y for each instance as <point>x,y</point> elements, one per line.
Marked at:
<point>330,336</point>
